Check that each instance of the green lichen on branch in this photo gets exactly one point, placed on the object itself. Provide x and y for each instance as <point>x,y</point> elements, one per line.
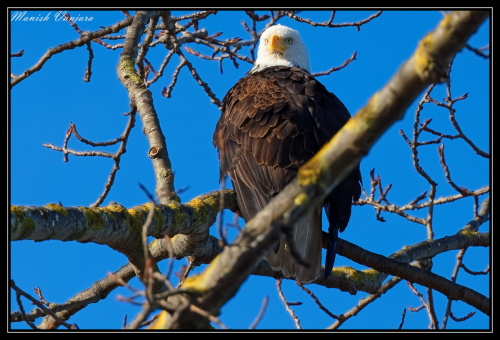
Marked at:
<point>358,276</point>
<point>58,208</point>
<point>95,220</point>
<point>126,67</point>
<point>468,233</point>
<point>23,224</point>
<point>114,224</point>
<point>19,214</point>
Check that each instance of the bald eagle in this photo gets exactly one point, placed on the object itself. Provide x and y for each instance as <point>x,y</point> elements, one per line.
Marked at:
<point>272,122</point>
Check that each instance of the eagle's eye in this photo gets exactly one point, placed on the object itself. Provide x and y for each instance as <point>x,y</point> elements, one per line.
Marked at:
<point>289,40</point>
<point>266,41</point>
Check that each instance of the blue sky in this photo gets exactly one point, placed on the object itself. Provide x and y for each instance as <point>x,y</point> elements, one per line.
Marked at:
<point>43,105</point>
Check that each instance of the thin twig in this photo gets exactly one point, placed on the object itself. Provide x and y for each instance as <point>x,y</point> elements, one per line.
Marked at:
<point>40,305</point>
<point>449,105</point>
<point>287,305</point>
<point>23,313</point>
<point>97,40</point>
<point>145,229</point>
<point>124,326</point>
<point>186,272</point>
<point>479,51</point>
<point>402,319</point>
<point>170,255</point>
<point>463,318</point>
<point>416,309</point>
<point>162,67</point>
<point>417,293</point>
<point>86,141</point>
<point>353,57</point>
<point>145,46</point>
<point>207,315</point>
<point>197,15</point>
<point>148,322</point>
<point>373,183</point>
<point>18,54</point>
<point>117,156</point>
<point>129,300</point>
<point>205,86</point>
<point>168,92</point>
<point>88,70</point>
<point>261,313</point>
<point>443,200</point>
<point>79,153</point>
<point>463,191</point>
<point>320,305</point>
<point>329,22</point>
<point>143,314</point>
<point>432,310</point>
<point>38,291</point>
<point>483,272</point>
<point>364,302</point>
<point>122,283</point>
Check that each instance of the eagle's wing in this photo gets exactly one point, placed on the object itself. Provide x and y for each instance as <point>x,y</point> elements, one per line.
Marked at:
<point>272,122</point>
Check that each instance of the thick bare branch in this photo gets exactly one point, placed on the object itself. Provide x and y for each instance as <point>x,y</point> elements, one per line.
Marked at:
<point>143,99</point>
<point>120,228</point>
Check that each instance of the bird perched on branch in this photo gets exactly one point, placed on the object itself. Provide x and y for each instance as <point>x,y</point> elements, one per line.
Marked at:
<point>273,121</point>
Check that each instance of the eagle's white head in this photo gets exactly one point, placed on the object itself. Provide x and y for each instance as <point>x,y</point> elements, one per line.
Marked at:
<point>281,46</point>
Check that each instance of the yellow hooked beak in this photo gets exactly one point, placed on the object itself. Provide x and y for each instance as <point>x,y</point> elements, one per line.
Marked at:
<point>276,44</point>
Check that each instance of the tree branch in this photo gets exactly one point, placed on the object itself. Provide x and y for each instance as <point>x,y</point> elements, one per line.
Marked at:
<point>120,228</point>
<point>143,99</point>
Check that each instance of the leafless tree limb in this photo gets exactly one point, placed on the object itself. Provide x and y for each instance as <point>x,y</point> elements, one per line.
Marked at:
<point>365,302</point>
<point>353,57</point>
<point>142,97</point>
<point>88,70</point>
<point>145,46</point>
<point>329,22</point>
<point>402,319</point>
<point>287,305</point>
<point>18,54</point>
<point>261,313</point>
<point>434,323</point>
<point>320,305</point>
<point>462,318</point>
<point>40,305</point>
<point>479,51</point>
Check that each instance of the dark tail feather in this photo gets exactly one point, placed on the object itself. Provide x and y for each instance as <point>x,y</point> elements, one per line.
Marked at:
<point>276,247</point>
<point>333,233</point>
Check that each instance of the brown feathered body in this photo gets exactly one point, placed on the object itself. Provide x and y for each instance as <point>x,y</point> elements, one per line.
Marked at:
<point>272,122</point>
